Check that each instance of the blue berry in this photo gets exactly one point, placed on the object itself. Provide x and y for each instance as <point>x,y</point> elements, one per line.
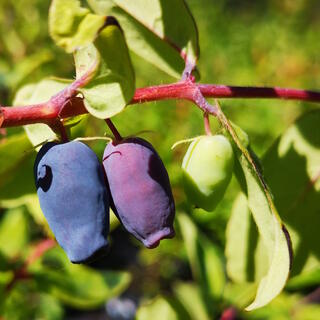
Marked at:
<point>73,197</point>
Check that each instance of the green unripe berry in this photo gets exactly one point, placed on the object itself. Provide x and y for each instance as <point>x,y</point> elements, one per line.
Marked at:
<point>207,170</point>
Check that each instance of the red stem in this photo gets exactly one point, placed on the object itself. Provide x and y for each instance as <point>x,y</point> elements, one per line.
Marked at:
<point>22,273</point>
<point>182,90</point>
<point>114,130</point>
<point>42,247</point>
<point>229,314</point>
<point>207,128</point>
<point>58,127</point>
<point>51,110</point>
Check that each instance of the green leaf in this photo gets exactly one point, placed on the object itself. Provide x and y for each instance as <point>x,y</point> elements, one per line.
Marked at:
<point>77,285</point>
<point>113,83</point>
<point>291,166</point>
<point>114,221</point>
<point>247,257</point>
<point>282,308</point>
<point>306,279</point>
<point>38,93</point>
<point>73,121</point>
<point>288,307</point>
<point>204,258</point>
<point>4,265</point>
<point>33,205</point>
<point>5,278</point>
<point>31,202</point>
<point>14,232</point>
<point>190,297</point>
<point>158,309</point>
<point>273,233</point>
<point>23,302</point>
<point>307,312</point>
<point>72,26</point>
<point>159,31</point>
<point>239,295</point>
<point>48,307</point>
<point>273,236</point>
<point>27,66</point>
<point>16,163</point>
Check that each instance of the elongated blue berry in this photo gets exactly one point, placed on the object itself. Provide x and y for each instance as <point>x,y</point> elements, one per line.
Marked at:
<point>73,197</point>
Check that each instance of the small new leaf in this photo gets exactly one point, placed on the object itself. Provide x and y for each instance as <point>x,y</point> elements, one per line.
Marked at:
<point>72,26</point>
<point>113,83</point>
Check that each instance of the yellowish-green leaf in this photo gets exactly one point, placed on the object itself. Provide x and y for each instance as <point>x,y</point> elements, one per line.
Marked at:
<point>291,167</point>
<point>239,295</point>
<point>16,165</point>
<point>161,32</point>
<point>14,232</point>
<point>273,233</point>
<point>274,237</point>
<point>72,26</point>
<point>77,285</point>
<point>190,297</point>
<point>204,258</point>
<point>39,93</point>
<point>113,83</point>
<point>27,66</point>
<point>306,279</point>
<point>31,202</point>
<point>247,256</point>
<point>158,309</point>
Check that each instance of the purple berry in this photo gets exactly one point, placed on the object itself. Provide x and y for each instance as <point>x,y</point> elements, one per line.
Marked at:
<point>140,189</point>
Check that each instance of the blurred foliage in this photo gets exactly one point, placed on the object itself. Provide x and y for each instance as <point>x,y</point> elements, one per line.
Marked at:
<point>264,42</point>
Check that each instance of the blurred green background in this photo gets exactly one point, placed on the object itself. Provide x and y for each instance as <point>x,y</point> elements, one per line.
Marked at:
<point>257,43</point>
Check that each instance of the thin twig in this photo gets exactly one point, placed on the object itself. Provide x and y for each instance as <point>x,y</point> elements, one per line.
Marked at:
<point>114,130</point>
<point>22,273</point>
<point>229,314</point>
<point>206,121</point>
<point>69,105</point>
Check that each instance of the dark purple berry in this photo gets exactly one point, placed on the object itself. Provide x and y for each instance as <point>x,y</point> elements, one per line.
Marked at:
<point>140,190</point>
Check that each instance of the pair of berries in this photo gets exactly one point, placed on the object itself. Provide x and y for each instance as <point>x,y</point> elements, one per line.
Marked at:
<point>75,193</point>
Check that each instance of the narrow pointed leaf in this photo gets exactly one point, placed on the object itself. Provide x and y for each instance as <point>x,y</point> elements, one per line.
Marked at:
<point>292,168</point>
<point>204,258</point>
<point>189,296</point>
<point>274,235</point>
<point>247,256</point>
